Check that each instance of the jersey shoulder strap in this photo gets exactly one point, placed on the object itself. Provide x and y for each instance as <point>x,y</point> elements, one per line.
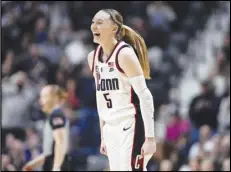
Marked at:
<point>121,45</point>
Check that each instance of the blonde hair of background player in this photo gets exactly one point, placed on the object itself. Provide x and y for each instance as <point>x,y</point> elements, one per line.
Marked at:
<point>134,39</point>
<point>52,95</point>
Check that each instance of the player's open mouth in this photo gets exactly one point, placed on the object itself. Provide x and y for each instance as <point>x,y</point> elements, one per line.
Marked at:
<point>96,34</point>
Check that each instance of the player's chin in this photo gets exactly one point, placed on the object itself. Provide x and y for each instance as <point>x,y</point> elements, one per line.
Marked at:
<point>44,110</point>
<point>95,40</point>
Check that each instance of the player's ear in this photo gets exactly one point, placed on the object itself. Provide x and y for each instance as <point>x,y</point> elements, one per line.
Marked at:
<point>115,29</point>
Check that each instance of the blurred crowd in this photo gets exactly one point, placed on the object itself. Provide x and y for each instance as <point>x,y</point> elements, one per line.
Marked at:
<point>45,42</point>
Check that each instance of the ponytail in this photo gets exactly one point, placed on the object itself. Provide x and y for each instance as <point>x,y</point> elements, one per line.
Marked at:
<point>137,42</point>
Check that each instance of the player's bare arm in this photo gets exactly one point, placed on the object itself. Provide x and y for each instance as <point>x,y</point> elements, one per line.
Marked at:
<point>39,161</point>
<point>135,74</point>
<point>60,147</point>
<point>90,62</point>
<point>102,147</point>
<point>90,59</point>
<point>129,62</point>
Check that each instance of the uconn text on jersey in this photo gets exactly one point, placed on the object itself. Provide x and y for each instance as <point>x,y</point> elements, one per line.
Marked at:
<point>108,84</point>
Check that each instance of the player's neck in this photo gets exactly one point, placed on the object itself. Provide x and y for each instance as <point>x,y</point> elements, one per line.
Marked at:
<point>108,47</point>
<point>57,106</point>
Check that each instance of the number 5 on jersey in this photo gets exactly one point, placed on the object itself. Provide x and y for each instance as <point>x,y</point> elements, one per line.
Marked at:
<point>109,102</point>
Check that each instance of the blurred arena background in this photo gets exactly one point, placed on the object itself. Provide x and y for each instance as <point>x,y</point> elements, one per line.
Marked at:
<point>189,50</point>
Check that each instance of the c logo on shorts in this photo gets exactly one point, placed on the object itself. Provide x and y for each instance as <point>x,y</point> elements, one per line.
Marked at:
<point>139,160</point>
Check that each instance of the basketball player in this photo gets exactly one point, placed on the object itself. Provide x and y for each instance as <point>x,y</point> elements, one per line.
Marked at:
<point>55,138</point>
<point>124,103</point>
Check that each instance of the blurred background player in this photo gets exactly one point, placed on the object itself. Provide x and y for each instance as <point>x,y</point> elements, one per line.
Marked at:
<point>56,132</point>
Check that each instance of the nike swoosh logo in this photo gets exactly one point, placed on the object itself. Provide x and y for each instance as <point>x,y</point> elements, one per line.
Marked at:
<point>126,128</point>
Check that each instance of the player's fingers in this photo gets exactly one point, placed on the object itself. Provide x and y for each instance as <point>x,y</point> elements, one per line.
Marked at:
<point>147,151</point>
<point>153,149</point>
<point>105,150</point>
<point>25,169</point>
<point>101,150</point>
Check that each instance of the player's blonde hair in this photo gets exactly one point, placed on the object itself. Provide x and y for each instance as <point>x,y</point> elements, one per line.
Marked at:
<point>59,92</point>
<point>133,38</point>
<point>55,95</point>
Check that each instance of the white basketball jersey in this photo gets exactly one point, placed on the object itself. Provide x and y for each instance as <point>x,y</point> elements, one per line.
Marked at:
<point>113,89</point>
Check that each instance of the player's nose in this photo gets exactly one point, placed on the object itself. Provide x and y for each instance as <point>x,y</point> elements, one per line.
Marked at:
<point>93,27</point>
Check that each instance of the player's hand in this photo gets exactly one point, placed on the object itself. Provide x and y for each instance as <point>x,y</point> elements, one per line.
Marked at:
<point>103,149</point>
<point>27,168</point>
<point>56,169</point>
<point>149,147</point>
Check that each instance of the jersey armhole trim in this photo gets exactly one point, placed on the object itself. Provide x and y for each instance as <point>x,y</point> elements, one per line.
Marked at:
<point>116,59</point>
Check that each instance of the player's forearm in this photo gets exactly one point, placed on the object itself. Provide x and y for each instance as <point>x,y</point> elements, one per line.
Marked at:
<point>39,161</point>
<point>146,104</point>
<point>60,152</point>
<point>102,123</point>
<point>147,111</point>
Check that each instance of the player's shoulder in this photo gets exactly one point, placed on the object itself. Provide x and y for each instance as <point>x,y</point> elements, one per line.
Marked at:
<point>91,55</point>
<point>57,113</point>
<point>57,118</point>
<point>90,58</point>
<point>126,49</point>
<point>126,52</point>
